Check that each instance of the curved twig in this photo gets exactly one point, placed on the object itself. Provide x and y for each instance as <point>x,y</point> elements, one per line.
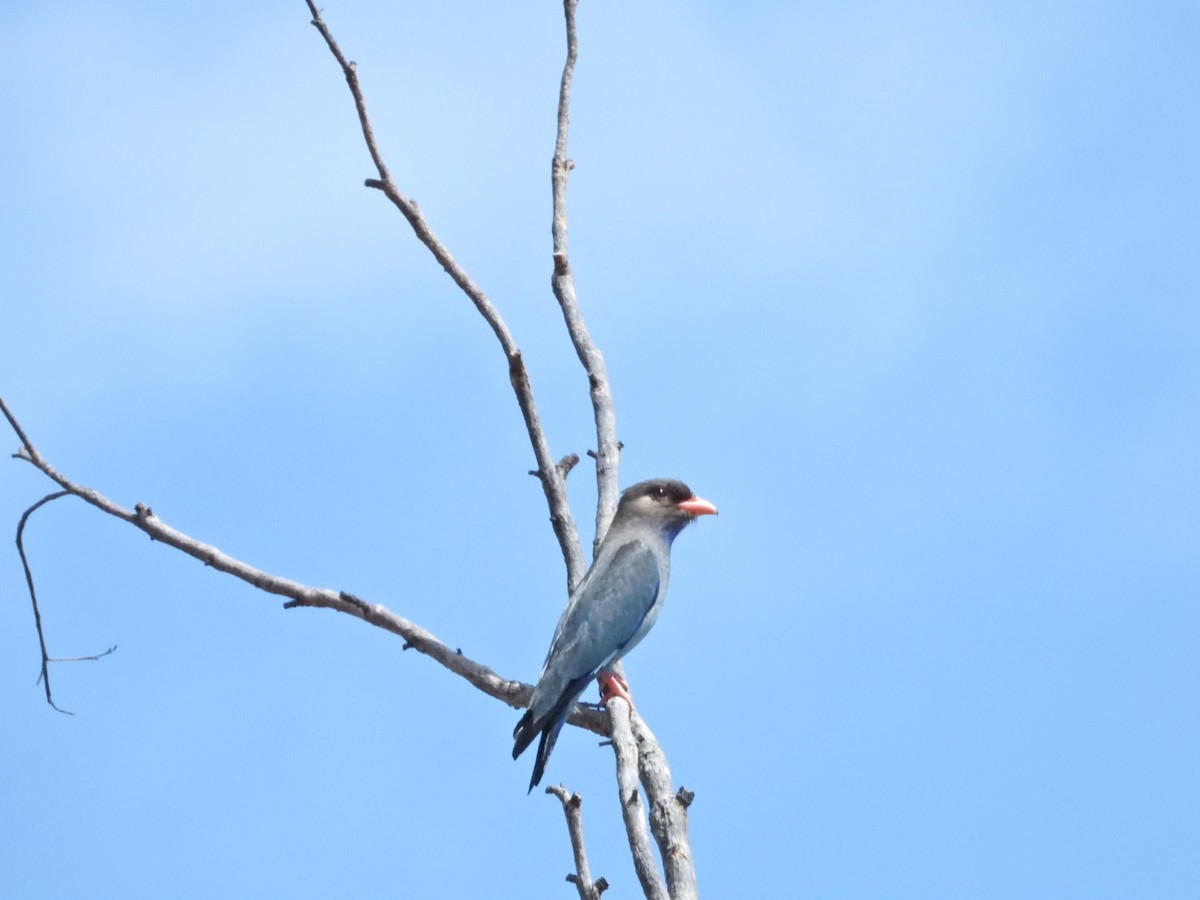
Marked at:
<point>553,482</point>
<point>44,677</point>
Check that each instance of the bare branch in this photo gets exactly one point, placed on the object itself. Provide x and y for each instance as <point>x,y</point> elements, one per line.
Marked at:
<point>668,822</point>
<point>582,879</point>
<point>626,751</point>
<point>93,658</point>
<point>16,426</point>
<point>564,465</point>
<point>44,677</point>
<point>567,463</point>
<point>668,813</point>
<point>553,483</point>
<point>608,453</point>
<point>514,693</point>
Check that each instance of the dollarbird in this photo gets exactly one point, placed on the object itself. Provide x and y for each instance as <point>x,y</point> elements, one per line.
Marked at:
<point>611,610</point>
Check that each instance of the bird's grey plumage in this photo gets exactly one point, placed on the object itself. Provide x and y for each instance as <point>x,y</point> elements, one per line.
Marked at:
<point>612,609</point>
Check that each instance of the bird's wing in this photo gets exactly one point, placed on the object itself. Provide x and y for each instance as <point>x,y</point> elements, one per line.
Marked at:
<point>607,613</point>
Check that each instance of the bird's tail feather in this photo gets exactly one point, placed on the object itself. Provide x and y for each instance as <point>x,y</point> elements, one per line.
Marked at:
<point>549,736</point>
<point>523,734</point>
<point>549,725</point>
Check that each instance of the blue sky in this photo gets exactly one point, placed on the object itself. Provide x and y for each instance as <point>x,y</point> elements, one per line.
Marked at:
<point>909,292</point>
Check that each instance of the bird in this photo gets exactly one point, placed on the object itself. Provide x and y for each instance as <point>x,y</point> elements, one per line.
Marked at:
<point>611,610</point>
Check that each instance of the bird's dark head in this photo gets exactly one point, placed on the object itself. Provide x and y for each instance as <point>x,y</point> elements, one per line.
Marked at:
<point>668,503</point>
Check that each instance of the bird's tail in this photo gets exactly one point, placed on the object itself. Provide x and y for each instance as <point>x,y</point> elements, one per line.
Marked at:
<point>545,745</point>
<point>523,736</point>
<point>549,725</point>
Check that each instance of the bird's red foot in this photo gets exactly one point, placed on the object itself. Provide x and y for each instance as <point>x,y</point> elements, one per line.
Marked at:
<point>613,685</point>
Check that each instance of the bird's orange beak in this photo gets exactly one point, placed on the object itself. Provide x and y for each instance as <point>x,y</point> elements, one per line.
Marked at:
<point>696,506</point>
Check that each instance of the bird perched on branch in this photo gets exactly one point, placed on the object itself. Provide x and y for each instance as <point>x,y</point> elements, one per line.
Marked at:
<point>611,610</point>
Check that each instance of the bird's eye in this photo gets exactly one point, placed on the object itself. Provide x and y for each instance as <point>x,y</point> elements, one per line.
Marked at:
<point>660,491</point>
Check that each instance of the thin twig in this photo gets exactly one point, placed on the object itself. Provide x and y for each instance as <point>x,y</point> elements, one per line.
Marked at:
<point>16,426</point>
<point>553,483</point>
<point>44,677</point>
<point>582,878</point>
<point>626,752</point>
<point>93,658</point>
<point>607,454</point>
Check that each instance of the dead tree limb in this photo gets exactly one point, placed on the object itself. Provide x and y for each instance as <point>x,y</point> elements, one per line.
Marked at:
<point>643,752</point>
<point>554,484</point>
<point>142,517</point>
<point>632,811</point>
<point>608,450</point>
<point>668,813</point>
<point>44,677</point>
<point>582,877</point>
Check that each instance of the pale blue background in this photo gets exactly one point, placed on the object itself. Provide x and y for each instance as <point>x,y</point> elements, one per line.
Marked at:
<point>909,291</point>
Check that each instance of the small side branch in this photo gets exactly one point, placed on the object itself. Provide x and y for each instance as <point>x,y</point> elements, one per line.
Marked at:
<point>582,878</point>
<point>553,483</point>
<point>93,658</point>
<point>608,452</point>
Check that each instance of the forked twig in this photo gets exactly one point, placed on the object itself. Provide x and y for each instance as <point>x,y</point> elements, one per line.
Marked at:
<point>44,677</point>
<point>582,878</point>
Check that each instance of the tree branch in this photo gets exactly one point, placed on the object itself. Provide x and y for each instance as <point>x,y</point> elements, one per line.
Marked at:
<point>668,817</point>
<point>582,879</point>
<point>44,677</point>
<point>514,693</point>
<point>626,752</point>
<point>668,813</point>
<point>608,450</point>
<point>553,483</point>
